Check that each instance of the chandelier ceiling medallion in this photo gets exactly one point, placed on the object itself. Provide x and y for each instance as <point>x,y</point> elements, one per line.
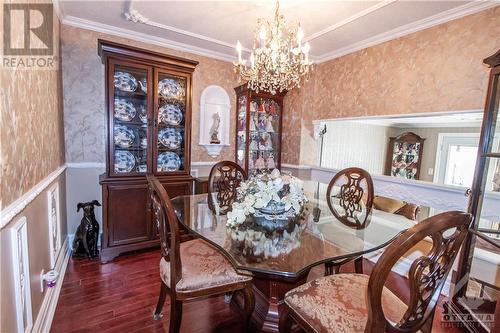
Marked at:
<point>278,60</point>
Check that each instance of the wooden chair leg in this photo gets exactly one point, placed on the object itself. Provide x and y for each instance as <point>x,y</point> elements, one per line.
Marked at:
<point>358,265</point>
<point>427,327</point>
<point>161,301</point>
<point>331,268</point>
<point>249,299</point>
<point>175,315</point>
<point>285,320</point>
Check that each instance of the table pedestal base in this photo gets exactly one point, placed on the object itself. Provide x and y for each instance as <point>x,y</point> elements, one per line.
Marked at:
<point>269,297</point>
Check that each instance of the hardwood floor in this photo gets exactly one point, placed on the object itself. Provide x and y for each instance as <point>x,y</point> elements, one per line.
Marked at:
<point>120,297</point>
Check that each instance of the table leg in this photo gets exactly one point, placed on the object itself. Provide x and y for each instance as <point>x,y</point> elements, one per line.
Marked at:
<point>269,297</point>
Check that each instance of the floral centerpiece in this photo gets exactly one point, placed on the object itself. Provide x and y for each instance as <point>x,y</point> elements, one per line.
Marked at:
<point>267,194</point>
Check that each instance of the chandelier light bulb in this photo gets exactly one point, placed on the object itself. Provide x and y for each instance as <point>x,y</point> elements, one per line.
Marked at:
<point>262,35</point>
<point>300,35</point>
<point>306,48</point>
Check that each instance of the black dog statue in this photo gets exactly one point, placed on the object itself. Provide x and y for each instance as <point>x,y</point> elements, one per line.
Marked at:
<point>87,233</point>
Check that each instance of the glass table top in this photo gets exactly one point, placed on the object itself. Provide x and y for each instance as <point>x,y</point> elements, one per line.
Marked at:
<point>292,247</point>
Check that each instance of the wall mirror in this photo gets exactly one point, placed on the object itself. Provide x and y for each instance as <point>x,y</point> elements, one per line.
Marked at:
<point>423,159</point>
<point>438,148</point>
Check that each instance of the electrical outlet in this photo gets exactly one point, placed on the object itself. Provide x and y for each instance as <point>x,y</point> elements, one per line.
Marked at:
<point>430,172</point>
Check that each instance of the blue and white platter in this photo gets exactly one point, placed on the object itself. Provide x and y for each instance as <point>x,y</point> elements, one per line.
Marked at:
<point>168,161</point>
<point>170,114</point>
<point>124,110</point>
<point>170,88</point>
<point>124,161</point>
<point>125,81</point>
<point>124,136</point>
<point>170,138</point>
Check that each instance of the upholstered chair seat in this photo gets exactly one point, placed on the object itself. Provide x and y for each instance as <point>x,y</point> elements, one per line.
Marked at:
<point>337,303</point>
<point>203,268</point>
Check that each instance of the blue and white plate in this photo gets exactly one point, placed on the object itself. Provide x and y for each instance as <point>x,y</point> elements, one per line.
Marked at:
<point>170,88</point>
<point>124,110</point>
<point>124,136</point>
<point>170,138</point>
<point>124,161</point>
<point>144,85</point>
<point>125,81</point>
<point>170,114</point>
<point>143,113</point>
<point>169,161</point>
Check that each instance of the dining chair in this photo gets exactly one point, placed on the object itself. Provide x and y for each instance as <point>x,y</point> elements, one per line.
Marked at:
<point>224,179</point>
<point>361,303</point>
<point>191,269</point>
<point>350,199</point>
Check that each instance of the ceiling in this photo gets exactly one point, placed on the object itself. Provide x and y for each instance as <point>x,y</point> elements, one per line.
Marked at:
<point>211,28</point>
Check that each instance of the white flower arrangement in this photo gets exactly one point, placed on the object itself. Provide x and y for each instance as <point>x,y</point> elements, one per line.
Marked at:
<point>265,190</point>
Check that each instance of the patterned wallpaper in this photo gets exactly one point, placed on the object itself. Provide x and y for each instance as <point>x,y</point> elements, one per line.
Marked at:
<point>83,82</point>
<point>31,126</point>
<point>433,70</point>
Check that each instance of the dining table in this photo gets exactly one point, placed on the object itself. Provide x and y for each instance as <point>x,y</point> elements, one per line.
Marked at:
<point>279,254</point>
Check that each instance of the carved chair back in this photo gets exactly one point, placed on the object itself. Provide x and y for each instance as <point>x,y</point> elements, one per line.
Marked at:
<point>224,179</point>
<point>427,273</point>
<point>168,227</point>
<point>350,197</point>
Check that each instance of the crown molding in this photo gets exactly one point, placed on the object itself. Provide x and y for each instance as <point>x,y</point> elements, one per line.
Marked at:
<point>443,17</point>
<point>144,38</point>
<point>135,16</point>
<point>350,19</point>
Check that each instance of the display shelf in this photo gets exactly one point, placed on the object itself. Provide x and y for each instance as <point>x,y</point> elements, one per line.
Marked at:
<point>259,122</point>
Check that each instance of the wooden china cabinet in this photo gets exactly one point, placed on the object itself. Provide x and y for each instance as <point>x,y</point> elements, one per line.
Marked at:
<point>476,294</point>
<point>404,156</point>
<point>258,129</point>
<point>148,101</point>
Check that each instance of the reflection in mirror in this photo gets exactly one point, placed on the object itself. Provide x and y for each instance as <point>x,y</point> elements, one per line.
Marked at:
<point>438,148</point>
<point>350,197</point>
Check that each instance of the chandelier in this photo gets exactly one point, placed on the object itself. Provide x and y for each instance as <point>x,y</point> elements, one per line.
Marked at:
<point>278,59</point>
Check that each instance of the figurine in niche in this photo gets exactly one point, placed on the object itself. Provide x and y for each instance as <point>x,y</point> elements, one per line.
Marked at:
<point>269,125</point>
<point>270,161</point>
<point>214,130</point>
<point>260,163</point>
<point>272,108</point>
<point>253,120</point>
<point>87,233</point>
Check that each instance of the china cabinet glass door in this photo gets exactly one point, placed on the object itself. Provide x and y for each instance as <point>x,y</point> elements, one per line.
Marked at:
<point>171,133</point>
<point>129,102</point>
<point>477,288</point>
<point>242,130</point>
<point>264,134</point>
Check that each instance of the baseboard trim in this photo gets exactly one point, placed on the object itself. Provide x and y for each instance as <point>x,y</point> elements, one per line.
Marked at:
<point>9,212</point>
<point>45,316</point>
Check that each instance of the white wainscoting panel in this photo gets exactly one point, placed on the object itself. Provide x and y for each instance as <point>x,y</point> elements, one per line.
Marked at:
<point>20,264</point>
